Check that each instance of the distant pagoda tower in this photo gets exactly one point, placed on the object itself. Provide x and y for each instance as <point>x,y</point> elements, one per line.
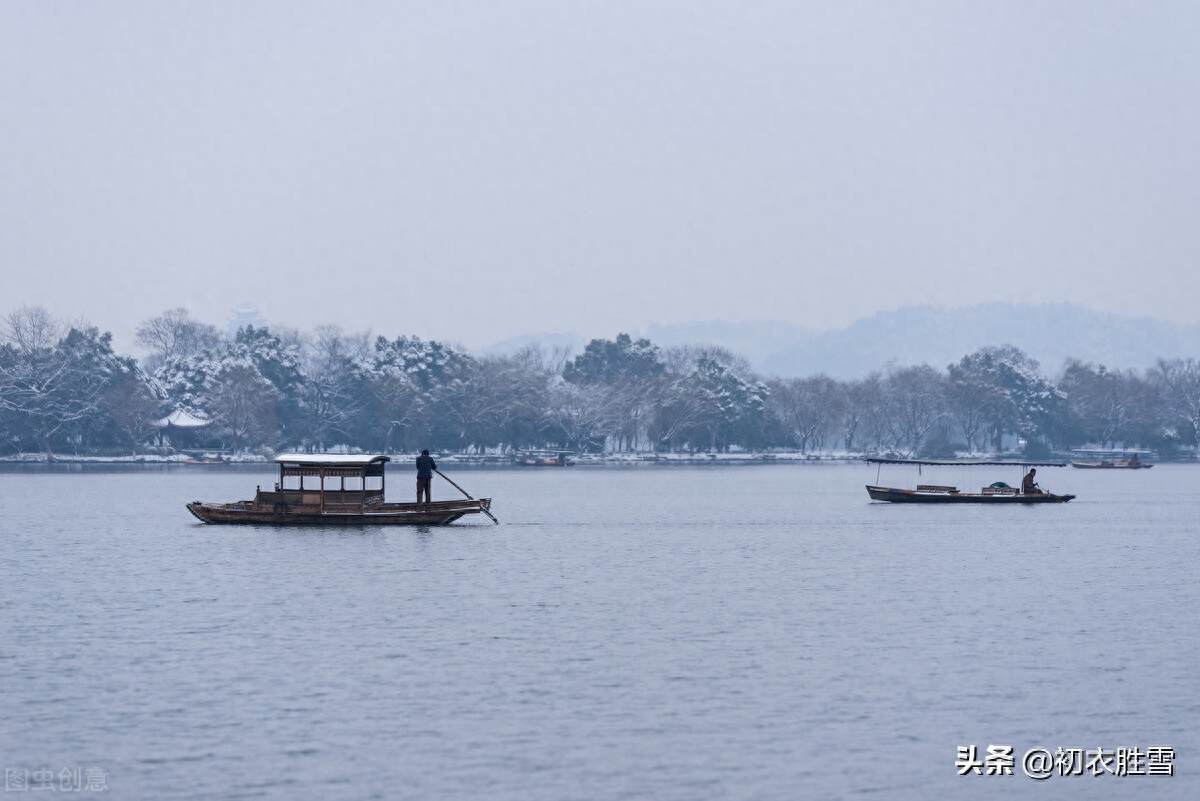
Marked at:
<point>244,315</point>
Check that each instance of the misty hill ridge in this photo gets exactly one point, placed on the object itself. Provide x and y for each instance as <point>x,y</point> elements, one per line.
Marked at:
<point>1050,333</point>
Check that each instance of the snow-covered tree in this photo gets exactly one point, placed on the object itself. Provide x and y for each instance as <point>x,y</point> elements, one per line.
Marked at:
<point>50,382</point>
<point>175,335</point>
<point>731,407</point>
<point>412,380</point>
<point>628,371</point>
<point>580,414</point>
<point>332,395</point>
<point>1179,380</point>
<point>1097,402</point>
<point>807,408</point>
<point>133,406</point>
<point>915,403</point>
<point>242,404</point>
<point>1006,387</point>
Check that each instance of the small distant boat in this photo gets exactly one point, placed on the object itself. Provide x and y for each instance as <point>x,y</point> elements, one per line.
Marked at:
<point>543,458</point>
<point>1109,460</point>
<point>332,489</point>
<point>996,493</point>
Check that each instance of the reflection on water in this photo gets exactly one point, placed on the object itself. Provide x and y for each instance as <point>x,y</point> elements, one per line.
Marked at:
<point>743,632</point>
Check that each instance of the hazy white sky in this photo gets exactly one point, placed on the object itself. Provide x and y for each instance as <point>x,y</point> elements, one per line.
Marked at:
<point>469,171</point>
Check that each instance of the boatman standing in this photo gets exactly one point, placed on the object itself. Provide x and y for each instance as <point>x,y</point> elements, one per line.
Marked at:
<point>425,468</point>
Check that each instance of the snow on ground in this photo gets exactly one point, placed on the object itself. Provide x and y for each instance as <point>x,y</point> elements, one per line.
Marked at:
<point>141,458</point>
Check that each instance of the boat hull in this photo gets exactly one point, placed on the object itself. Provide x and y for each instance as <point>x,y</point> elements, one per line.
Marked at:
<point>437,513</point>
<point>895,495</point>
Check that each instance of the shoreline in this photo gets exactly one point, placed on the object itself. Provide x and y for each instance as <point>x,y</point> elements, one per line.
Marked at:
<point>485,460</point>
<point>213,459</point>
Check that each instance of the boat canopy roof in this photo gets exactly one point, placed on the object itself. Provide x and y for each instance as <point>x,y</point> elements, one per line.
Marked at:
<point>331,459</point>
<point>960,462</point>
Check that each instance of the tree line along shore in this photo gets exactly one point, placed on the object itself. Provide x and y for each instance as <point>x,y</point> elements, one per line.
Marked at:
<point>64,390</point>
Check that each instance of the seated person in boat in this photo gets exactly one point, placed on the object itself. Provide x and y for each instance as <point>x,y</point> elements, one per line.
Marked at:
<point>1029,484</point>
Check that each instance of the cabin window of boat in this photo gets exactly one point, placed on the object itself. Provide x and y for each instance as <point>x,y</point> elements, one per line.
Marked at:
<point>374,482</point>
<point>333,483</point>
<point>290,482</point>
<point>353,483</point>
<point>311,482</point>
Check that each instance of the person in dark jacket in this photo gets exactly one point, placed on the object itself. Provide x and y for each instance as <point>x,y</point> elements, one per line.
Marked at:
<point>425,468</point>
<point>1029,484</point>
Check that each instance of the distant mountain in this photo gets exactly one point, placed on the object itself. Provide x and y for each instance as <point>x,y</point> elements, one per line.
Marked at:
<point>1050,333</point>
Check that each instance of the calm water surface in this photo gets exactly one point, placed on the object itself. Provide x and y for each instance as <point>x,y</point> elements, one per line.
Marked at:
<point>626,633</point>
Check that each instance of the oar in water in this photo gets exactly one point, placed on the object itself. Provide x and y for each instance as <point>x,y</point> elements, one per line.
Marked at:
<point>464,492</point>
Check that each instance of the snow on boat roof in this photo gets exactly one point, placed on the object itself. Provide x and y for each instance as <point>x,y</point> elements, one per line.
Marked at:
<point>350,459</point>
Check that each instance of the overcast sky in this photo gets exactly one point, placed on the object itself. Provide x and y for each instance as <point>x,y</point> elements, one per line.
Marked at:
<point>470,171</point>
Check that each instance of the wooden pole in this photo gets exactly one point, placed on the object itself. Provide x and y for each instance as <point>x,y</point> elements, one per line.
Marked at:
<point>464,492</point>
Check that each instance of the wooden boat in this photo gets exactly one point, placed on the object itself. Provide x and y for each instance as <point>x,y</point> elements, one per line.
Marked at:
<point>1109,460</point>
<point>332,489</point>
<point>543,458</point>
<point>996,493</point>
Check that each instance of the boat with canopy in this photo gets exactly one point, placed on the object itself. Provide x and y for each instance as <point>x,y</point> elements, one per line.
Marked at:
<point>331,489</point>
<point>543,458</point>
<point>1095,459</point>
<point>999,492</point>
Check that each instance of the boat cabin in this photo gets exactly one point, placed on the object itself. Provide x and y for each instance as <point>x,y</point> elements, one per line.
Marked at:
<point>1096,457</point>
<point>543,458</point>
<point>327,482</point>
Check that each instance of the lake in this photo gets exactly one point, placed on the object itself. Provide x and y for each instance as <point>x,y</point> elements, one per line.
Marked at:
<point>646,632</point>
